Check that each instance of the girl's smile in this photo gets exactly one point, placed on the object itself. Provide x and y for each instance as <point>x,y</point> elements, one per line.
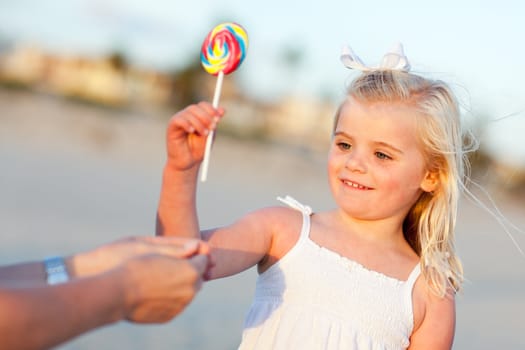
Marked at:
<point>355,185</point>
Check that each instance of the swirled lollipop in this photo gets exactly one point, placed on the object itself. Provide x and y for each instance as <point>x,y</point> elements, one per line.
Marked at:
<point>222,52</point>
<point>224,48</point>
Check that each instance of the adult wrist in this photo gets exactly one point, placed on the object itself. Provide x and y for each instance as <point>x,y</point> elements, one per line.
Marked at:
<point>125,277</point>
<point>72,266</point>
<point>83,264</point>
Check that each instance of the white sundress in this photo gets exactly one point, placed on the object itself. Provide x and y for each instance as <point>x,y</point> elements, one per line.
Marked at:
<point>314,298</point>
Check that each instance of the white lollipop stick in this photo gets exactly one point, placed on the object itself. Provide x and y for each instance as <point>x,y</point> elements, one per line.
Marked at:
<point>209,140</point>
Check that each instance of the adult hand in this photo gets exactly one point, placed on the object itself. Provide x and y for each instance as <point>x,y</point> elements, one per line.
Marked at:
<point>160,287</point>
<point>109,256</point>
<point>187,132</point>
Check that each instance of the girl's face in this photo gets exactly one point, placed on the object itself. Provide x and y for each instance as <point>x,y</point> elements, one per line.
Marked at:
<point>376,167</point>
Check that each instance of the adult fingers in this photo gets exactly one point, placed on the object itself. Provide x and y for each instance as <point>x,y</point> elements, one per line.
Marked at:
<point>179,247</point>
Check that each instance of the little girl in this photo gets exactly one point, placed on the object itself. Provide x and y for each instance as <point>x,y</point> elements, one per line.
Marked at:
<point>378,272</point>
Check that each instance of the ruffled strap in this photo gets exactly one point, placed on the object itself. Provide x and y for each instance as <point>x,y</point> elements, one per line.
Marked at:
<point>304,209</point>
<point>413,276</point>
<point>408,291</point>
<point>293,203</point>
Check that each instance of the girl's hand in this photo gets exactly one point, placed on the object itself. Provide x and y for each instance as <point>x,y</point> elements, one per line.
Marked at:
<point>187,133</point>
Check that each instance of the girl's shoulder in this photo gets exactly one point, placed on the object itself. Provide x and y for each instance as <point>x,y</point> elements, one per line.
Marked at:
<point>284,220</point>
<point>277,219</point>
<point>284,225</point>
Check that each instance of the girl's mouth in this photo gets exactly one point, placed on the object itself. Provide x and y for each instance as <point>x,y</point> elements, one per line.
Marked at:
<point>356,185</point>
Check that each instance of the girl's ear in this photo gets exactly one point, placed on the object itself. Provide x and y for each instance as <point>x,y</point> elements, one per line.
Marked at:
<point>430,182</point>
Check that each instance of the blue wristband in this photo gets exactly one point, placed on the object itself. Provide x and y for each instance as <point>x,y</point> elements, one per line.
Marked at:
<point>56,270</point>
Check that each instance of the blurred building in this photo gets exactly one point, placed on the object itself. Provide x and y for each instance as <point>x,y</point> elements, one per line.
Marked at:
<point>99,80</point>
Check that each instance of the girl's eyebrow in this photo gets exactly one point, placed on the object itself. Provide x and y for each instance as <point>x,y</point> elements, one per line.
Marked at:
<point>342,133</point>
<point>389,146</point>
<point>377,143</point>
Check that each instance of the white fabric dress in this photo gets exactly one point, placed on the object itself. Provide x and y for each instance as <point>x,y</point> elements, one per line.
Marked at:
<point>313,298</point>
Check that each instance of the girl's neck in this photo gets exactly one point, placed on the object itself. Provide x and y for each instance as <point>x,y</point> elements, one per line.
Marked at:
<point>386,231</point>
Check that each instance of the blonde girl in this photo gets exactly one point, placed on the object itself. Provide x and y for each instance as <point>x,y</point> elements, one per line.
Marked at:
<point>377,272</point>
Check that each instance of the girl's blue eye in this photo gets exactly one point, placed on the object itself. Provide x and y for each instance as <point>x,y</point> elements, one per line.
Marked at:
<point>381,155</point>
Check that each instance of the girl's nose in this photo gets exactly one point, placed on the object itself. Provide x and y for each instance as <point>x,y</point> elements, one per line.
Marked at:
<point>355,162</point>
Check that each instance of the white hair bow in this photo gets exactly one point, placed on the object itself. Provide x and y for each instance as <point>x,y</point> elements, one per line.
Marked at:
<point>394,59</point>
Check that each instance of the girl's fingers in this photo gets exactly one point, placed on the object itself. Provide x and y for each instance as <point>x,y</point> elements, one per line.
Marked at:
<point>198,118</point>
<point>206,114</point>
<point>200,262</point>
<point>182,123</point>
<point>199,123</point>
<point>206,106</point>
<point>209,113</point>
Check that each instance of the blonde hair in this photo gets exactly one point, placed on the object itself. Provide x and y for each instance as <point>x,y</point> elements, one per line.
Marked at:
<point>430,224</point>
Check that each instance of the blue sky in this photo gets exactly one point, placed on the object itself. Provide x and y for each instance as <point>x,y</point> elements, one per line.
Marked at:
<point>477,46</point>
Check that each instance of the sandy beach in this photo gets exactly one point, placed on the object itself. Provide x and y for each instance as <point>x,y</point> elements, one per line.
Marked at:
<point>74,176</point>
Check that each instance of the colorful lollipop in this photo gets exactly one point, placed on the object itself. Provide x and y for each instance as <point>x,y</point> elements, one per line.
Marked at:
<point>222,52</point>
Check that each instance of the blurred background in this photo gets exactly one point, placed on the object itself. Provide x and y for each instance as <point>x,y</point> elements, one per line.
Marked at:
<point>86,89</point>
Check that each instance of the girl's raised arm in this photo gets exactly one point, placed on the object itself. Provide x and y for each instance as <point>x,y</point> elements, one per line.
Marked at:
<point>185,142</point>
<point>249,241</point>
